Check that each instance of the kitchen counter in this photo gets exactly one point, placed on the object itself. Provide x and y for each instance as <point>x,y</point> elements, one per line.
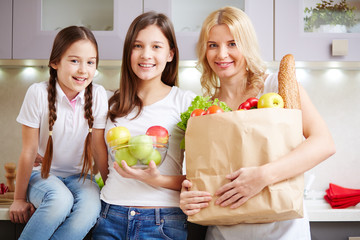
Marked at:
<point>318,210</point>
<point>4,212</point>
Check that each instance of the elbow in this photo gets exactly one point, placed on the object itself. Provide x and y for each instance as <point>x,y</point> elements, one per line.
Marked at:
<point>330,148</point>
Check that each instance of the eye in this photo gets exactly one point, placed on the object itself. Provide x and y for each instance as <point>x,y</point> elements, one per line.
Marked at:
<point>156,46</point>
<point>137,46</point>
<point>232,44</point>
<point>74,61</point>
<point>212,45</point>
<point>91,62</point>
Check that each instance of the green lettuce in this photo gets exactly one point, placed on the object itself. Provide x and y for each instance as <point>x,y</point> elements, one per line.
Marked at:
<point>202,103</point>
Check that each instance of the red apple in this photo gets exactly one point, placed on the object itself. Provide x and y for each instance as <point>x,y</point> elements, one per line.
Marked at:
<point>161,134</point>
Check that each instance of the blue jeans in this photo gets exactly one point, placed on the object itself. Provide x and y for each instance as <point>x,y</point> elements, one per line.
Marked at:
<point>130,223</point>
<point>66,208</point>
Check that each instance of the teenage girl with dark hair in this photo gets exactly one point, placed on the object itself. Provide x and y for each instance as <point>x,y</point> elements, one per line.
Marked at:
<point>62,119</point>
<point>144,204</point>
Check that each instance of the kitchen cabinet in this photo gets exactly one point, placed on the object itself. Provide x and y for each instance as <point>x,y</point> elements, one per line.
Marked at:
<point>34,29</point>
<point>188,16</point>
<point>36,22</point>
<point>290,36</point>
<point>5,29</point>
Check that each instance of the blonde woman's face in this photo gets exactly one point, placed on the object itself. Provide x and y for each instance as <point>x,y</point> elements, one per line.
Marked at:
<point>222,54</point>
<point>76,68</point>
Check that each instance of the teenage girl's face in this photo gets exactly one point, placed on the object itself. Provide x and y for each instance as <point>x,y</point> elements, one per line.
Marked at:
<point>224,58</point>
<point>150,54</point>
<point>76,68</point>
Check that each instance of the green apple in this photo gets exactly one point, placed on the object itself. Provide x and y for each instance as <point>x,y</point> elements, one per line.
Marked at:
<point>154,156</point>
<point>271,100</point>
<point>99,180</point>
<point>124,154</point>
<point>141,146</point>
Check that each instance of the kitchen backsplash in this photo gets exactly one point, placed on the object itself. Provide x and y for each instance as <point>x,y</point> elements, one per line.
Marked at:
<point>334,91</point>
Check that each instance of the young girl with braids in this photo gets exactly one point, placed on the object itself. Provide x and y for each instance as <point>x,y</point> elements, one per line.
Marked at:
<point>62,119</point>
<point>144,204</point>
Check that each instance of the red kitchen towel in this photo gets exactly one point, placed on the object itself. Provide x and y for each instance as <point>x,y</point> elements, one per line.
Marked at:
<point>336,191</point>
<point>3,188</point>
<point>340,197</point>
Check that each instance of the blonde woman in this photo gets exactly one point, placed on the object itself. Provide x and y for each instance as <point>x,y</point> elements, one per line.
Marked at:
<point>232,71</point>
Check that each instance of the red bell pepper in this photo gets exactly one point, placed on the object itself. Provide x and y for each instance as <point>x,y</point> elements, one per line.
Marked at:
<point>250,103</point>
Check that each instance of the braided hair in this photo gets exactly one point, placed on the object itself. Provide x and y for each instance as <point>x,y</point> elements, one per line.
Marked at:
<point>63,40</point>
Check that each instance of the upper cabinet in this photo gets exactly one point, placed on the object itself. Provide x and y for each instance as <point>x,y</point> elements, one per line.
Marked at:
<point>28,27</point>
<point>188,16</point>
<point>312,30</point>
<point>36,23</point>
<point>5,29</point>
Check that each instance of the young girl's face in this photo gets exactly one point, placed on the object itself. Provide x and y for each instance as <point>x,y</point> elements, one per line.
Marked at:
<point>76,68</point>
<point>150,53</point>
<point>223,56</point>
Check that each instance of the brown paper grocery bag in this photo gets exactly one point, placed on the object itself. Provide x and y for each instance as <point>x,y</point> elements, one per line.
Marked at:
<point>219,144</point>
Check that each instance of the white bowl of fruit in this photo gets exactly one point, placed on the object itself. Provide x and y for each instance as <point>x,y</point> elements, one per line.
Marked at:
<point>138,151</point>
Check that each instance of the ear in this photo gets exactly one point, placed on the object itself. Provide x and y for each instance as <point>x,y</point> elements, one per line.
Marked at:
<point>171,55</point>
<point>53,65</point>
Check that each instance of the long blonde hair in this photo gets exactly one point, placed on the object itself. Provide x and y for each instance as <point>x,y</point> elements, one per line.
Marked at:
<point>245,37</point>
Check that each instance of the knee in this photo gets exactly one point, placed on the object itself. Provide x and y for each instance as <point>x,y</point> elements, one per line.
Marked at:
<point>59,201</point>
<point>88,206</point>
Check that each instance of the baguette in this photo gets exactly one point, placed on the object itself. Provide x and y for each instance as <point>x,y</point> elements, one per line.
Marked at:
<point>288,86</point>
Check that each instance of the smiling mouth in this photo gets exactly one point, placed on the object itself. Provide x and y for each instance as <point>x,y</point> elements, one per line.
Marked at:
<point>223,64</point>
<point>80,79</point>
<point>148,65</point>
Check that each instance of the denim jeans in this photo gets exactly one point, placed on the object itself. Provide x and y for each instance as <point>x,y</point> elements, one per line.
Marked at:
<point>66,208</point>
<point>130,223</point>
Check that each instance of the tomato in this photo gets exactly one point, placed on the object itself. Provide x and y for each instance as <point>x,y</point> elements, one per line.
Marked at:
<point>214,109</point>
<point>197,112</point>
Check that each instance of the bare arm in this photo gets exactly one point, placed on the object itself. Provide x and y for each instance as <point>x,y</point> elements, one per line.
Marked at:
<point>318,146</point>
<point>21,210</point>
<point>100,152</point>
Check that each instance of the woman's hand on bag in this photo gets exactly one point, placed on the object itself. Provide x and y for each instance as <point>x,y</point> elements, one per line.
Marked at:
<point>191,202</point>
<point>245,183</point>
<point>21,211</point>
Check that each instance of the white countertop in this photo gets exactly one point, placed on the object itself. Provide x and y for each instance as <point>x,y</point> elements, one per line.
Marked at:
<point>4,212</point>
<point>318,210</point>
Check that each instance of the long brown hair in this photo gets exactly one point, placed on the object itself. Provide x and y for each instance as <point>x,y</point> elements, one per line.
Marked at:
<point>63,40</point>
<point>245,37</point>
<point>125,99</point>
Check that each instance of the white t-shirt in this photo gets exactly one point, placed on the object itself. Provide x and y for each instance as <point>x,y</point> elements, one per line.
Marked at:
<point>298,229</point>
<point>166,113</point>
<point>70,128</point>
